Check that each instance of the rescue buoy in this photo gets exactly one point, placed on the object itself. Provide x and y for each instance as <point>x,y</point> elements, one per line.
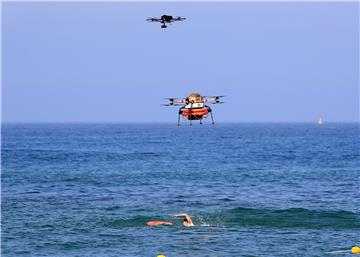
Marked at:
<point>355,249</point>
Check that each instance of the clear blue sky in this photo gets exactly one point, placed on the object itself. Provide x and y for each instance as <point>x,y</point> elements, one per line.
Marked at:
<point>102,62</point>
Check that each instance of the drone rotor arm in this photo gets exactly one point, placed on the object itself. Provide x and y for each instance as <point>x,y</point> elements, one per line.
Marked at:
<point>175,104</point>
<point>178,18</point>
<point>153,20</point>
<point>180,101</point>
<point>175,101</point>
<point>213,99</point>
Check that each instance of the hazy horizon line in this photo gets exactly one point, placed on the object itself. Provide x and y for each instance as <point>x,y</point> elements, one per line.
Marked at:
<point>164,122</point>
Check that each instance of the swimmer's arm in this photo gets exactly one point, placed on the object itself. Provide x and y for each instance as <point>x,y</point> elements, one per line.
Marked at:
<point>181,215</point>
<point>187,216</point>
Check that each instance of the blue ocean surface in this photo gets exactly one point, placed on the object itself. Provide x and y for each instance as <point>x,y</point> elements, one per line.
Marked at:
<point>257,189</point>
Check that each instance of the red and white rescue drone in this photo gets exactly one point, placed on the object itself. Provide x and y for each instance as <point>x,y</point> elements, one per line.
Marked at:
<point>193,106</point>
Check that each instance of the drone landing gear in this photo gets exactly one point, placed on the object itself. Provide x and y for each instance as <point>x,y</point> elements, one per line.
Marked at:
<point>212,118</point>
<point>190,113</point>
<point>179,118</point>
<point>163,26</point>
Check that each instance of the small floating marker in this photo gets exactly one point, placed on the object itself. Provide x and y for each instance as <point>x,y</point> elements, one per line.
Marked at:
<point>355,249</point>
<point>161,255</point>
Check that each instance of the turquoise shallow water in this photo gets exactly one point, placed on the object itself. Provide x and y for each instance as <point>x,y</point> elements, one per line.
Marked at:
<point>253,189</point>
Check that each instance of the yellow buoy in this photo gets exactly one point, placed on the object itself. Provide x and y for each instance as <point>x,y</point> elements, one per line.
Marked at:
<point>355,249</point>
<point>161,255</point>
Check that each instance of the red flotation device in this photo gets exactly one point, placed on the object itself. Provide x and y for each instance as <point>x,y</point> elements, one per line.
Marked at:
<point>195,111</point>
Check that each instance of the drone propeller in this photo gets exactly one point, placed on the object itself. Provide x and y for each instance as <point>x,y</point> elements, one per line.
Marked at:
<point>215,96</point>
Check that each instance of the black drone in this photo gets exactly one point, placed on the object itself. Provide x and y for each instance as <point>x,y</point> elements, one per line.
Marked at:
<point>165,19</point>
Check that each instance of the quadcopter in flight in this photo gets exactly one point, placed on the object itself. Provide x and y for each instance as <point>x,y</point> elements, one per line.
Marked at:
<point>193,106</point>
<point>165,19</point>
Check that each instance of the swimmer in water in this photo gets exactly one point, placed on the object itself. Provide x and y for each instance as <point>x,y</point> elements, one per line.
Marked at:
<point>187,221</point>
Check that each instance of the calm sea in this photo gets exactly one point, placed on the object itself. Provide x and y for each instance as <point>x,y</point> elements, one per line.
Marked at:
<point>252,189</point>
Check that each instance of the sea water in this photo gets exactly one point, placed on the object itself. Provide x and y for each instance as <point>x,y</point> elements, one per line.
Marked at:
<point>252,189</point>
